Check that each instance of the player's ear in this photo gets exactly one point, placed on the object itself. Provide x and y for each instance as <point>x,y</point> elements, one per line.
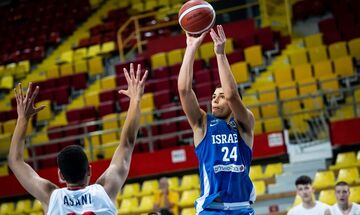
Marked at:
<point>61,177</point>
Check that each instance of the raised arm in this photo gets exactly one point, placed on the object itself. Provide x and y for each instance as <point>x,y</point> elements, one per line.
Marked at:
<point>242,115</point>
<point>188,98</point>
<point>38,187</point>
<point>115,175</point>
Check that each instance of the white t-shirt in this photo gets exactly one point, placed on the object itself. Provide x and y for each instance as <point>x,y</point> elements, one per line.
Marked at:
<point>355,209</point>
<point>90,200</point>
<point>319,209</point>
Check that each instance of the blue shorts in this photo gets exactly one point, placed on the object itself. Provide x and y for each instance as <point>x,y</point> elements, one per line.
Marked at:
<point>243,211</point>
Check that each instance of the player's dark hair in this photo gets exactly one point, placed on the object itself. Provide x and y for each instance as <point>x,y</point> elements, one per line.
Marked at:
<point>73,164</point>
<point>341,183</point>
<point>303,180</point>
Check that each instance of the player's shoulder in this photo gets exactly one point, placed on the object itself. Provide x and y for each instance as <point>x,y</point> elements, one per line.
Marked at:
<point>295,210</point>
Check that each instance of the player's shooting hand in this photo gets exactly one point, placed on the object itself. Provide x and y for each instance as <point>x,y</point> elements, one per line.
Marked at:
<point>219,39</point>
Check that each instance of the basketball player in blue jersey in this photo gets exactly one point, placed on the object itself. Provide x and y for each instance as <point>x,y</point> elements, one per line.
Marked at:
<point>223,140</point>
<point>78,197</point>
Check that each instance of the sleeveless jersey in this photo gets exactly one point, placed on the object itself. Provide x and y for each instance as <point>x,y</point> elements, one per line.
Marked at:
<point>224,166</point>
<point>90,200</point>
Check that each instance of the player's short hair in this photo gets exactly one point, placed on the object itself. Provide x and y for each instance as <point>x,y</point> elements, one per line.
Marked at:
<point>341,183</point>
<point>303,180</point>
<point>73,164</point>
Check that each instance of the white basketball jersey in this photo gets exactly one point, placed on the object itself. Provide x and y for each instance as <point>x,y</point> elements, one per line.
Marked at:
<point>87,201</point>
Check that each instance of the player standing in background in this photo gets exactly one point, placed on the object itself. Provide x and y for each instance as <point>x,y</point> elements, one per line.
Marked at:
<point>78,197</point>
<point>306,192</point>
<point>343,206</point>
<point>223,140</point>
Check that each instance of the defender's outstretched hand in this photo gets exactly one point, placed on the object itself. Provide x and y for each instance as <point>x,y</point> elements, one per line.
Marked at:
<point>136,83</point>
<point>25,104</point>
<point>219,39</point>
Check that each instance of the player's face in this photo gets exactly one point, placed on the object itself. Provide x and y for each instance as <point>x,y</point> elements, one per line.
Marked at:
<point>219,106</point>
<point>305,191</point>
<point>342,194</point>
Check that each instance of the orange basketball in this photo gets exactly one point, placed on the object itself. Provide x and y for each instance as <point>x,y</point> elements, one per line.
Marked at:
<point>196,16</point>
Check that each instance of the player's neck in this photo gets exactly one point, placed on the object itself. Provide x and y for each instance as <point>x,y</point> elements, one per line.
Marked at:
<point>309,204</point>
<point>345,207</point>
<point>75,186</point>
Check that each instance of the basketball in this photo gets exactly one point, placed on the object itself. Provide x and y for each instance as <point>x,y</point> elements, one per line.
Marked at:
<point>196,16</point>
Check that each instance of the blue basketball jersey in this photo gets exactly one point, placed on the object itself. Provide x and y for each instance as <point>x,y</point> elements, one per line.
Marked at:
<point>224,166</point>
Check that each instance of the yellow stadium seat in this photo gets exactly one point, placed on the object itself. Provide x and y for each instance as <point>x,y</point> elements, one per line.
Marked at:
<point>303,72</point>
<point>288,91</point>
<point>354,194</point>
<point>318,54</point>
<point>207,51</point>
<point>146,205</point>
<point>229,47</point>
<point>164,3</point>
<point>188,198</point>
<point>4,170</point>
<point>92,98</point>
<point>273,169</point>
<point>53,72</point>
<point>80,66</point>
<point>7,208</point>
<point>258,127</point>
<point>358,156</point>
<point>344,159</point>
<point>354,46</point>
<point>149,187</point>
<point>323,68</point>
<point>337,50</point>
<point>93,51</point>
<point>158,60</point>
<point>268,94</point>
<point>324,179</point>
<point>66,69</point>
<point>80,54</point>
<point>253,55</point>
<point>343,66</point>
<point>349,175</point>
<point>66,57</point>
<point>256,172</point>
<point>188,211</point>
<point>7,82</point>
<point>327,197</point>
<point>260,187</point>
<point>147,116</point>
<point>329,84</point>
<point>173,183</point>
<point>309,87</point>
<point>313,40</point>
<point>46,113</point>
<point>251,103</point>
<point>175,56</point>
<point>23,68</point>
<point>108,82</point>
<point>298,57</point>
<point>147,101</point>
<point>108,47</point>
<point>36,206</point>
<point>273,124</point>
<point>299,123</point>
<point>128,206</point>
<point>9,126</point>
<point>131,190</point>
<point>240,72</point>
<point>189,182</point>
<point>96,66</point>
<point>23,206</point>
<point>282,74</point>
<point>110,122</point>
